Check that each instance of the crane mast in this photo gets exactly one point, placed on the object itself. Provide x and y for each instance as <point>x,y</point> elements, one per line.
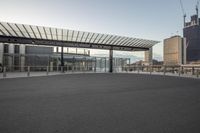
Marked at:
<point>197,11</point>
<point>184,14</point>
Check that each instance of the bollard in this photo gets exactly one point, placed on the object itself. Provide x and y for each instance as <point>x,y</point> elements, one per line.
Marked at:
<point>164,71</point>
<point>4,72</point>
<point>47,70</point>
<point>192,70</point>
<point>73,68</point>
<point>197,73</point>
<point>62,70</point>
<point>179,71</point>
<point>57,68</point>
<point>138,70</point>
<point>68,68</point>
<point>28,72</point>
<point>150,69</point>
<point>182,70</point>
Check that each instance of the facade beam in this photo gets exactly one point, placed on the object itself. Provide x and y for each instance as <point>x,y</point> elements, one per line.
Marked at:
<point>66,43</point>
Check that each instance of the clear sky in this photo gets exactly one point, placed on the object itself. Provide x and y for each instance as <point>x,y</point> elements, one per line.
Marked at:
<point>148,19</point>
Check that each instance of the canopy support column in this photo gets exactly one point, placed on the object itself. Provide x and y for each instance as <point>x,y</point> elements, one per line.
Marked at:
<point>62,59</point>
<point>111,60</point>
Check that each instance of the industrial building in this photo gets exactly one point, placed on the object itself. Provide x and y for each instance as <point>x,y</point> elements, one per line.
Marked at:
<point>174,51</point>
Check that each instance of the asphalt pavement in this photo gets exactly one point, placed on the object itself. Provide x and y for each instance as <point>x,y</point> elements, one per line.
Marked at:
<point>100,103</point>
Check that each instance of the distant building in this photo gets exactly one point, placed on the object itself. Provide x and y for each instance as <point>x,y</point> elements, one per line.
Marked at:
<point>191,32</point>
<point>174,51</point>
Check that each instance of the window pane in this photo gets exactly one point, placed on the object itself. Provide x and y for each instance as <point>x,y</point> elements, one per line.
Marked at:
<point>6,48</point>
<point>16,49</point>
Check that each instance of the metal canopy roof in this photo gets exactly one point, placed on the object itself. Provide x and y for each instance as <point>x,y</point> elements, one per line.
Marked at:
<point>29,34</point>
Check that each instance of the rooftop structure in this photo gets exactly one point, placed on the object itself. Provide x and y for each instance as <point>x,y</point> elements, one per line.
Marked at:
<point>29,34</point>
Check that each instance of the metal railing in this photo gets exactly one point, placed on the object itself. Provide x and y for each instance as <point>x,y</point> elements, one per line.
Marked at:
<point>182,70</point>
<point>27,71</point>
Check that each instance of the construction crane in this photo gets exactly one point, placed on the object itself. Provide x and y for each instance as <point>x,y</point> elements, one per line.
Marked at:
<point>197,7</point>
<point>197,11</point>
<point>183,11</point>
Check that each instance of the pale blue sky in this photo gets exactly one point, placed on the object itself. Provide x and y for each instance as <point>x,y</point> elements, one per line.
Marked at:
<point>148,19</point>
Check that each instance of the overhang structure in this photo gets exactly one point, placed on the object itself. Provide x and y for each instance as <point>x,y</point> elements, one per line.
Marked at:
<point>39,35</point>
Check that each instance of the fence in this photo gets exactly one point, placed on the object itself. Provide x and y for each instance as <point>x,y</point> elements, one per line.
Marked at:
<point>182,70</point>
